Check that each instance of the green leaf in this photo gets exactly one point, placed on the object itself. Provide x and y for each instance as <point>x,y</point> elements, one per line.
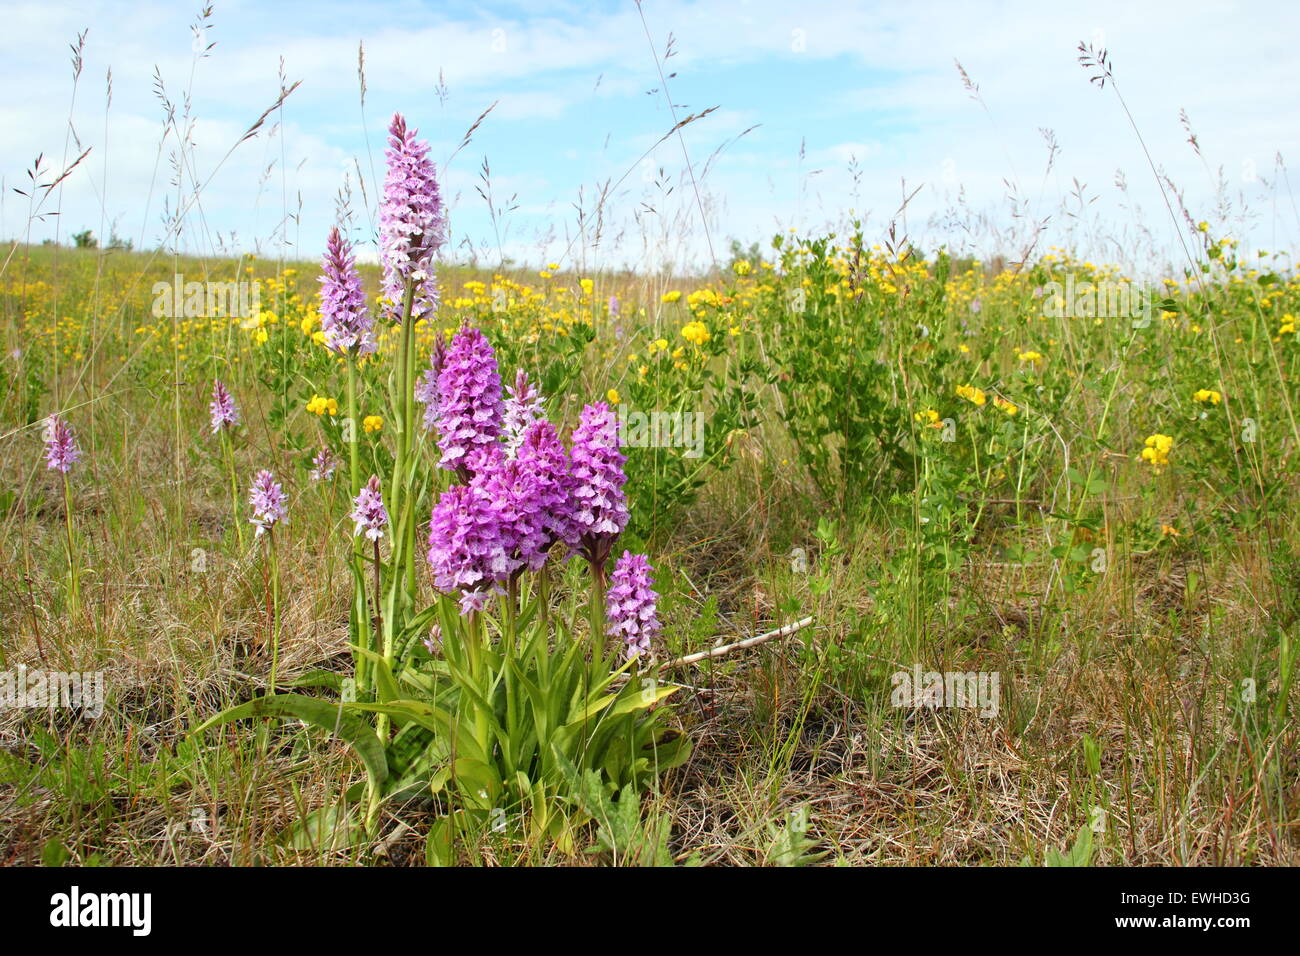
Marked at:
<point>54,853</point>
<point>411,632</point>
<point>1079,855</point>
<point>317,678</point>
<point>438,847</point>
<point>635,699</point>
<point>329,716</point>
<point>327,830</point>
<point>385,685</point>
<point>590,711</point>
<point>407,711</point>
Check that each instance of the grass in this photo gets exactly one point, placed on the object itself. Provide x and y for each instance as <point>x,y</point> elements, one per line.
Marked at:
<point>1124,709</point>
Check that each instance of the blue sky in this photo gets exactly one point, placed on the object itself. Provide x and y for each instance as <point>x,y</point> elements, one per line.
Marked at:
<point>867,93</point>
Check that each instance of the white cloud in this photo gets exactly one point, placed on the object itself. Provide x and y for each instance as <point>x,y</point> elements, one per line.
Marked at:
<point>874,83</point>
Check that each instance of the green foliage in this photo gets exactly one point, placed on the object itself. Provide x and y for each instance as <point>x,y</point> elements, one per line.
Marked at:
<point>822,330</point>
<point>621,831</point>
<point>789,843</point>
<point>1080,854</point>
<point>503,723</point>
<point>682,419</point>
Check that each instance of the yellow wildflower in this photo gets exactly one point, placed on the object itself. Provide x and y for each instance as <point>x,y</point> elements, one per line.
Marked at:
<point>702,297</point>
<point>319,406</point>
<point>971,394</point>
<point>697,333</point>
<point>929,418</point>
<point>1157,451</point>
<point>372,423</point>
<point>1207,395</point>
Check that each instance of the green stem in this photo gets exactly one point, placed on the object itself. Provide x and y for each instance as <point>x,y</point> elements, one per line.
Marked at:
<point>275,609</point>
<point>544,598</point>
<point>354,464</point>
<point>361,623</point>
<point>597,614</point>
<point>478,644</point>
<point>403,540</point>
<point>511,615</point>
<point>229,447</point>
<point>379,614</point>
<point>399,459</point>
<point>408,436</point>
<point>74,595</point>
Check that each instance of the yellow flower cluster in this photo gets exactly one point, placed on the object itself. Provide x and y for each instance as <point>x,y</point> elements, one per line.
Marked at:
<point>1157,451</point>
<point>319,406</point>
<point>929,418</point>
<point>702,297</point>
<point>1207,396</point>
<point>522,312</point>
<point>697,333</point>
<point>1009,407</point>
<point>972,394</point>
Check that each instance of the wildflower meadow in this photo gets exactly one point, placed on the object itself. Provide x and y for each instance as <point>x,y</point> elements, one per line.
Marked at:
<point>835,543</point>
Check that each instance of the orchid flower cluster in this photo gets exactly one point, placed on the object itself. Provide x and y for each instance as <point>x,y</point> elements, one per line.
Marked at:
<point>524,495</point>
<point>521,698</point>
<point>61,449</point>
<point>61,453</point>
<point>519,494</point>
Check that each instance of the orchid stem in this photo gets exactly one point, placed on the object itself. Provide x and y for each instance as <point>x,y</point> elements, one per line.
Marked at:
<point>74,595</point>
<point>275,610</point>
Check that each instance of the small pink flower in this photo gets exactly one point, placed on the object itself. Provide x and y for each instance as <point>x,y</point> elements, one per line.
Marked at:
<point>630,604</point>
<point>267,498</point>
<point>60,445</point>
<point>368,511</point>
